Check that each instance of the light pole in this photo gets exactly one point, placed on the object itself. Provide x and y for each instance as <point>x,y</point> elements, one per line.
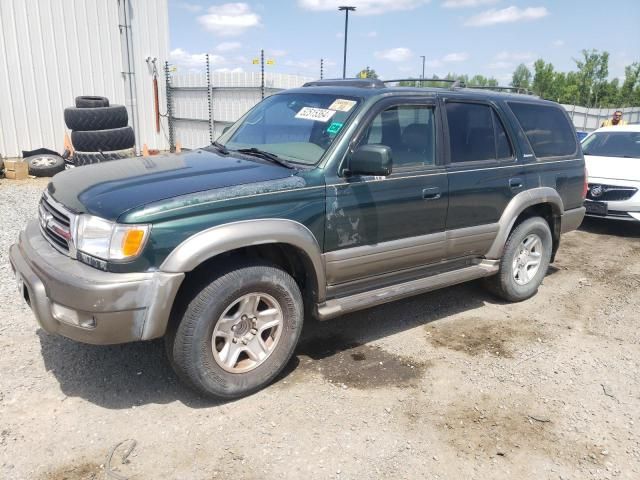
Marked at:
<point>346,28</point>
<point>423,58</point>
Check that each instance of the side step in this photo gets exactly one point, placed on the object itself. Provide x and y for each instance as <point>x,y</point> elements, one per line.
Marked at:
<point>339,306</point>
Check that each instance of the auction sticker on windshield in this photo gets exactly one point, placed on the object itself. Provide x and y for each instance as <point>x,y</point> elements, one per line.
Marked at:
<point>317,114</point>
<point>342,105</point>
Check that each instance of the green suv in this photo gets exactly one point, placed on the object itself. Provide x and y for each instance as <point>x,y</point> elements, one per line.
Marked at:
<point>321,200</point>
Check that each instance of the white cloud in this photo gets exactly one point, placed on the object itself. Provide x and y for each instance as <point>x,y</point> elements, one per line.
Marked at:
<point>455,57</point>
<point>304,64</point>
<point>514,56</point>
<point>229,19</point>
<point>467,3</point>
<point>506,15</point>
<point>558,43</point>
<point>183,58</point>
<point>191,7</point>
<point>508,60</point>
<point>364,7</point>
<point>400,54</point>
<point>371,34</point>
<point>500,65</point>
<point>276,53</point>
<point>228,46</point>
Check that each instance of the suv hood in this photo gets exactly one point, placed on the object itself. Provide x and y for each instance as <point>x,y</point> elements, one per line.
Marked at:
<point>614,168</point>
<point>110,189</point>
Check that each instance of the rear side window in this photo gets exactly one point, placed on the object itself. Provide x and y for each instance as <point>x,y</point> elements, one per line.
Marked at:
<point>476,133</point>
<point>547,128</point>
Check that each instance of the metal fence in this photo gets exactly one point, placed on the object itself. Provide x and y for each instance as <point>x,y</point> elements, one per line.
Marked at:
<point>200,105</point>
<point>588,119</point>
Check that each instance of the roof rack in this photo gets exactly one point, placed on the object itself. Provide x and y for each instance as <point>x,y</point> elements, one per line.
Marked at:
<point>455,84</point>
<point>347,82</point>
<point>500,88</point>
<point>421,80</point>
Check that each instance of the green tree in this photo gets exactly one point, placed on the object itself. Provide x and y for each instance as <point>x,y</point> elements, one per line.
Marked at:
<point>630,90</point>
<point>593,70</point>
<point>543,78</point>
<point>367,73</point>
<point>521,77</point>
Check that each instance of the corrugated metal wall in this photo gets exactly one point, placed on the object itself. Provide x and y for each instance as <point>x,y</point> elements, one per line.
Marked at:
<point>54,50</point>
<point>232,95</point>
<point>589,119</point>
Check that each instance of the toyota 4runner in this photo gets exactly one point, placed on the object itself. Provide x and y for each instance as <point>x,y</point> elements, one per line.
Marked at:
<point>321,200</point>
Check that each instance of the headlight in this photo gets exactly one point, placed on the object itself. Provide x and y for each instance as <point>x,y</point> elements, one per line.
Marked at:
<point>110,241</point>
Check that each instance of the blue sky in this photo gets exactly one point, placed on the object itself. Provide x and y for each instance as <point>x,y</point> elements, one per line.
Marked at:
<point>490,37</point>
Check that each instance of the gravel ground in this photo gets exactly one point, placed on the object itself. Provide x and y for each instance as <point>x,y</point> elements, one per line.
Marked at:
<point>447,385</point>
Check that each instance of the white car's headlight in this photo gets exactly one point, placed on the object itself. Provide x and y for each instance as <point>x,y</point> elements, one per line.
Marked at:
<point>109,241</point>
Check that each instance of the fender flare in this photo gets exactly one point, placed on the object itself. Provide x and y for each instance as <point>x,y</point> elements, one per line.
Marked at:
<point>223,238</point>
<point>515,207</point>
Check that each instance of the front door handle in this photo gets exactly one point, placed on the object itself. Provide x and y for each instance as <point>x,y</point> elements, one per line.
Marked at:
<point>432,193</point>
<point>516,183</point>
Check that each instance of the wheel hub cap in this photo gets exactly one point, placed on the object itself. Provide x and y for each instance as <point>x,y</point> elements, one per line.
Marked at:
<point>527,263</point>
<point>247,333</point>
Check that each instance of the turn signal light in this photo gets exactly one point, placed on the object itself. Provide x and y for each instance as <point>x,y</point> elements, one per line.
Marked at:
<point>132,242</point>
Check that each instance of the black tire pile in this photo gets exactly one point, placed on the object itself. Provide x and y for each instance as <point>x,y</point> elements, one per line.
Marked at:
<point>99,131</point>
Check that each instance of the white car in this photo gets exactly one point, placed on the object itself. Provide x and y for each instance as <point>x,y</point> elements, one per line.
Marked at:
<point>612,156</point>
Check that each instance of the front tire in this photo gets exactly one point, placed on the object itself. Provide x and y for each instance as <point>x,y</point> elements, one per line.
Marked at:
<point>524,262</point>
<point>238,332</point>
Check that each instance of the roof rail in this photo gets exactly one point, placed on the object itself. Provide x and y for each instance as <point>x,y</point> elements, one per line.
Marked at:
<point>347,82</point>
<point>499,88</point>
<point>455,84</point>
<point>421,80</point>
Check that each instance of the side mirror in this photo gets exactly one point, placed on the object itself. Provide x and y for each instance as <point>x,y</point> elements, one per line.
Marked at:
<point>371,160</point>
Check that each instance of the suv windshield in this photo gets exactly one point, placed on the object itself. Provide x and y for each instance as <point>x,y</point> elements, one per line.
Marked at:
<point>298,127</point>
<point>613,144</point>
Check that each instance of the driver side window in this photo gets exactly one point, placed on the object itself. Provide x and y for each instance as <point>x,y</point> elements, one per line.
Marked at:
<point>409,130</point>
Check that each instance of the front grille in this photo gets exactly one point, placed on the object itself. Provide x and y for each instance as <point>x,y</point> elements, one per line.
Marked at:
<point>610,193</point>
<point>56,224</point>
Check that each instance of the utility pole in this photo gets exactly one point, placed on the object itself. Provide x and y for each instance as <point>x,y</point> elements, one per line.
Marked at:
<point>262,74</point>
<point>321,68</point>
<point>346,10</point>
<point>422,77</point>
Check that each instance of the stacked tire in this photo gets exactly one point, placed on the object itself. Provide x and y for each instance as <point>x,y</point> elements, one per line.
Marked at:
<point>99,131</point>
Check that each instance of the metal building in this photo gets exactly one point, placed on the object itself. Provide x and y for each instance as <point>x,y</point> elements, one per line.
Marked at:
<point>54,50</point>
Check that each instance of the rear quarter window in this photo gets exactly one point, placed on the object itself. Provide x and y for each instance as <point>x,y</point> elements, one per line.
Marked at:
<point>547,128</point>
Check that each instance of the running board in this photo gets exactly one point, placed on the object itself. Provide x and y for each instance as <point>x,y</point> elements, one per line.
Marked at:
<point>340,306</point>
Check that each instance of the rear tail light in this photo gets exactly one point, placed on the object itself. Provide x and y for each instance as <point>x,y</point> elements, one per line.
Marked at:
<point>585,188</point>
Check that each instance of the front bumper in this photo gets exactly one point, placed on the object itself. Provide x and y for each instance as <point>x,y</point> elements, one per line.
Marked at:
<point>65,293</point>
<point>626,210</point>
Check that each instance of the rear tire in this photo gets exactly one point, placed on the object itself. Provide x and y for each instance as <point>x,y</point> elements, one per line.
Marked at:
<point>88,158</point>
<point>89,101</point>
<point>45,165</point>
<point>524,262</point>
<point>103,140</point>
<point>238,332</point>
<point>98,118</point>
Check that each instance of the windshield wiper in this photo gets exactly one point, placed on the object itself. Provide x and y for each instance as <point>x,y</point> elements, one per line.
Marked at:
<point>272,157</point>
<point>220,147</point>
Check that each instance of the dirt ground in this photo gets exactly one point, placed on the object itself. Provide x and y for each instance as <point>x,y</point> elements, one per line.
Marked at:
<point>448,385</point>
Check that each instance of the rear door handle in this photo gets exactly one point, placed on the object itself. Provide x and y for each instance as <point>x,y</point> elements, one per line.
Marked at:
<point>432,193</point>
<point>516,183</point>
